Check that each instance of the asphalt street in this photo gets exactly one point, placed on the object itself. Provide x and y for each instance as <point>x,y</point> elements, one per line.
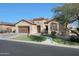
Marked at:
<point>11,48</point>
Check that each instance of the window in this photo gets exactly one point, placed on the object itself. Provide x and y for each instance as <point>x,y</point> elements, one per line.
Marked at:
<point>39,23</point>
<point>53,26</point>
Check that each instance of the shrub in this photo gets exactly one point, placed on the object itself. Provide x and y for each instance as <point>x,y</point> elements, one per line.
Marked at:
<point>53,34</point>
<point>37,38</point>
<point>74,38</point>
<point>58,40</point>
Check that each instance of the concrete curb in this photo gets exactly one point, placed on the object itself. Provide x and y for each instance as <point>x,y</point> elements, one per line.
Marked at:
<point>52,44</point>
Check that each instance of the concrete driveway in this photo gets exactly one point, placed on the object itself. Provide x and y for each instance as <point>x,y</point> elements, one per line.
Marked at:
<point>11,48</point>
<point>10,35</point>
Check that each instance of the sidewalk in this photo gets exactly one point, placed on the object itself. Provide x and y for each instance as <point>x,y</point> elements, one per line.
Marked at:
<point>43,43</point>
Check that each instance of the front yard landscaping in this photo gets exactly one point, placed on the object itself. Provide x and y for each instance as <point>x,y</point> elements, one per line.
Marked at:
<point>22,37</point>
<point>57,39</point>
<point>64,39</point>
<point>66,42</point>
<point>31,38</point>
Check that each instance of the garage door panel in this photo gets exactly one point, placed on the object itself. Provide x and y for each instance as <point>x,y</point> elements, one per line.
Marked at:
<point>24,29</point>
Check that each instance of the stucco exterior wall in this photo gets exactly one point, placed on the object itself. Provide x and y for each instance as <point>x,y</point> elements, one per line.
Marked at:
<point>33,28</point>
<point>41,23</point>
<point>22,23</point>
<point>5,27</point>
<point>49,30</point>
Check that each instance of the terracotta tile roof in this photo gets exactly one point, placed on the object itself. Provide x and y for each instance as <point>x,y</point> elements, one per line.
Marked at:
<point>39,19</point>
<point>25,21</point>
<point>49,21</point>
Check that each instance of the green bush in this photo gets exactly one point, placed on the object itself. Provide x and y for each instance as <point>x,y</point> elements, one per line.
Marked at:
<point>74,38</point>
<point>71,41</point>
<point>53,34</point>
<point>37,38</point>
<point>58,40</point>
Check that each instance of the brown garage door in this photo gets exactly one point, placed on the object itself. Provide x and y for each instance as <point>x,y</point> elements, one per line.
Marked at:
<point>24,29</point>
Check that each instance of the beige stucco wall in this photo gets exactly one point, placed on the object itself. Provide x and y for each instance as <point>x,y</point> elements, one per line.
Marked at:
<point>5,27</point>
<point>33,28</point>
<point>41,23</point>
<point>22,23</point>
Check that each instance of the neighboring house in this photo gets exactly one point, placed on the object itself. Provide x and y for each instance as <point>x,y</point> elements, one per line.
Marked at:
<point>36,25</point>
<point>8,27</point>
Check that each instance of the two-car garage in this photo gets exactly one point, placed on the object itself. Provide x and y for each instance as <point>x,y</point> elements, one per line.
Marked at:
<point>25,26</point>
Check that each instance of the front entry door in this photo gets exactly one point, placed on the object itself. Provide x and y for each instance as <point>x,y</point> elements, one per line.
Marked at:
<point>39,29</point>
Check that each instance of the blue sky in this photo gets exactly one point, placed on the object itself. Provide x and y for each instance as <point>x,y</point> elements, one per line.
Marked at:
<point>15,12</point>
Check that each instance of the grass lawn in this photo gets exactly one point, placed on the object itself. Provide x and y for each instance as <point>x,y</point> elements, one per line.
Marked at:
<point>61,41</point>
<point>31,38</point>
<point>58,40</point>
<point>23,37</point>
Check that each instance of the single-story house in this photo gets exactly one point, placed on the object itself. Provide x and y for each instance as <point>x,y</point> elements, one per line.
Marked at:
<point>34,26</point>
<point>5,26</point>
